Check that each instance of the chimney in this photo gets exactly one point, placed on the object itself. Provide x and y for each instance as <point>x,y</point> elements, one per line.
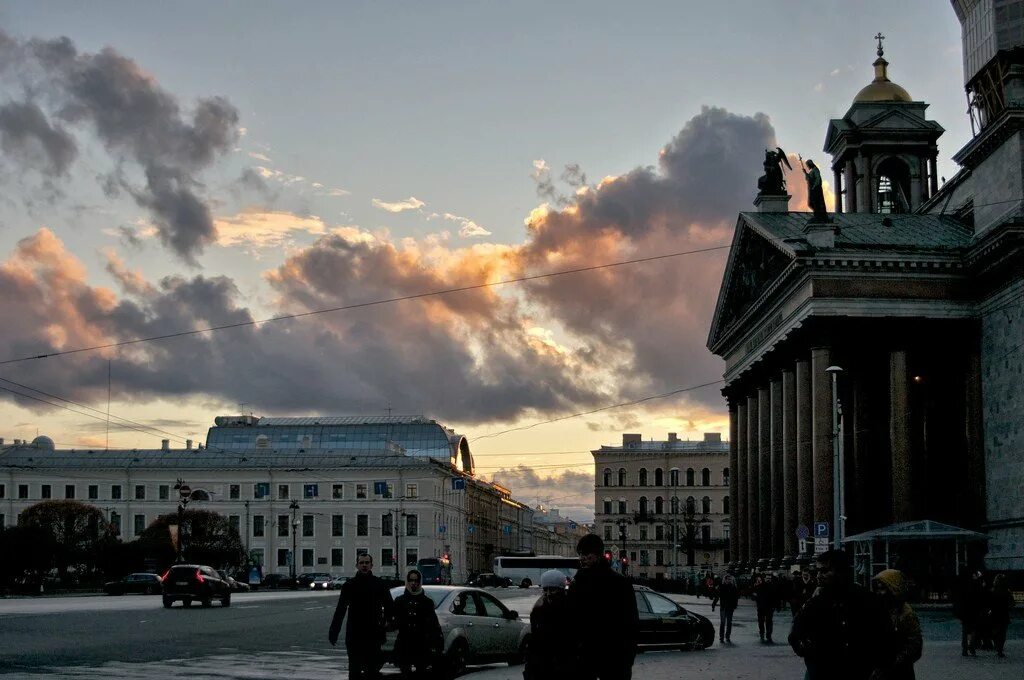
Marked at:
<point>188,444</point>
<point>772,203</point>
<point>631,439</point>
<point>165,444</point>
<point>712,437</point>
<point>673,437</point>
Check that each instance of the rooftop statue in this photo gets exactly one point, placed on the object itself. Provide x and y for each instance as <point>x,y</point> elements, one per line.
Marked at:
<point>772,181</point>
<point>815,194</point>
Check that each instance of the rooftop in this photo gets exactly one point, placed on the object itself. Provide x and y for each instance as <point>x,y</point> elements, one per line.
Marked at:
<point>711,443</point>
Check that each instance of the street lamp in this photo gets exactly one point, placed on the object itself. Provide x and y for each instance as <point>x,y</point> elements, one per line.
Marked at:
<point>184,496</point>
<point>837,461</point>
<point>295,540</point>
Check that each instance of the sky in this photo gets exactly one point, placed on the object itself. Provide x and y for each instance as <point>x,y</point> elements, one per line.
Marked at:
<point>166,167</point>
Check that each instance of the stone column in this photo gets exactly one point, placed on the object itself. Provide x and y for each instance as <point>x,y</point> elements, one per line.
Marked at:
<point>838,188</point>
<point>778,502</point>
<point>933,175</point>
<point>851,186</point>
<point>915,191</point>
<point>753,542</point>
<point>975,490</point>
<point>899,438</point>
<point>804,445</point>
<point>789,476</point>
<point>821,427</point>
<point>862,184</point>
<point>733,464</point>
<point>858,508</point>
<point>764,450</point>
<point>869,185</point>
<point>738,520</point>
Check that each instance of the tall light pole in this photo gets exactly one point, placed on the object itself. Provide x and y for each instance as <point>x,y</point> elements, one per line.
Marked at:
<point>837,462</point>
<point>294,506</point>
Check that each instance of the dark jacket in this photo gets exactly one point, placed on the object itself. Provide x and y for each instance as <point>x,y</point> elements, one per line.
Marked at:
<point>606,623</point>
<point>728,595</point>
<point>549,656</point>
<point>767,596</point>
<point>904,634</point>
<point>841,633</point>
<point>999,604</point>
<point>419,631</point>
<point>368,603</point>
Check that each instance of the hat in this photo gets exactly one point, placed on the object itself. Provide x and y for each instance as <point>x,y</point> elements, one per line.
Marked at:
<point>552,579</point>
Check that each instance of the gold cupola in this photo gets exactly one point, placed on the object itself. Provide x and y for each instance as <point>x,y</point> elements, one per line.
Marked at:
<point>881,89</point>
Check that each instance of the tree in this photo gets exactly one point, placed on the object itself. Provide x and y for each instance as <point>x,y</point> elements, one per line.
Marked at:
<point>28,553</point>
<point>208,538</point>
<point>74,530</point>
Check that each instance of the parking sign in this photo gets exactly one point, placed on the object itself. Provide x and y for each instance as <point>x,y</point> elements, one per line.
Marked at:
<point>821,530</point>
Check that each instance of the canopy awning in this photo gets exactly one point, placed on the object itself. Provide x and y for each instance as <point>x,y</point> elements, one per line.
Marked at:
<point>923,530</point>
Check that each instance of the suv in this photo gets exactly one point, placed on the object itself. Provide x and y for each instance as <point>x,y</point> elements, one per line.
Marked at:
<point>188,582</point>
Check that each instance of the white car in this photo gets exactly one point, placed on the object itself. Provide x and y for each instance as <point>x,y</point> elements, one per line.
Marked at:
<point>477,627</point>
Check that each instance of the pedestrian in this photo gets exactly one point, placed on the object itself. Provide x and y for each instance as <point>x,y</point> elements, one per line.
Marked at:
<point>604,614</point>
<point>969,607</point>
<point>999,604</point>
<point>420,641</point>
<point>841,630</point>
<point>727,596</point>
<point>904,644</point>
<point>548,657</point>
<point>803,588</point>
<point>765,596</point>
<point>368,603</point>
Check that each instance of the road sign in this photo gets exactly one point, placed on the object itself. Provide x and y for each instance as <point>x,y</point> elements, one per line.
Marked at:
<point>471,529</point>
<point>441,529</point>
<point>821,530</point>
<point>458,484</point>
<point>803,533</point>
<point>507,529</point>
<point>820,545</point>
<point>380,488</point>
<point>184,490</point>
<point>801,546</point>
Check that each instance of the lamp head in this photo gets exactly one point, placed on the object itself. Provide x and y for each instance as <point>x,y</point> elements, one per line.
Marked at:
<point>833,369</point>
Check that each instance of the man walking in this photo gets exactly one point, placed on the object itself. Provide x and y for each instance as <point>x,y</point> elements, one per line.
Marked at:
<point>727,597</point>
<point>368,603</point>
<point>603,609</point>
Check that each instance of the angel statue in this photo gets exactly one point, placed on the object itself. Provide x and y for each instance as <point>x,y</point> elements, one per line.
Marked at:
<point>773,181</point>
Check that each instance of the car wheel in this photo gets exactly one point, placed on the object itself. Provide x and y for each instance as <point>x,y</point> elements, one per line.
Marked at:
<point>168,602</point>
<point>520,656</point>
<point>525,583</point>
<point>187,602</point>
<point>457,658</point>
<point>226,600</point>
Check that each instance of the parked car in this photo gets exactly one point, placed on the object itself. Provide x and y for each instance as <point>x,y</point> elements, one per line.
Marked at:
<point>488,579</point>
<point>337,582</point>
<point>149,584</point>
<point>235,585</point>
<point>665,624</point>
<point>190,582</point>
<point>477,627</point>
<point>304,580</point>
<point>277,581</point>
<point>320,582</point>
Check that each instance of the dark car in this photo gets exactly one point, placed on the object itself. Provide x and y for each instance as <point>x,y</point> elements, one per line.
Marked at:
<point>190,582</point>
<point>489,579</point>
<point>320,579</point>
<point>277,581</point>
<point>664,624</point>
<point>148,584</point>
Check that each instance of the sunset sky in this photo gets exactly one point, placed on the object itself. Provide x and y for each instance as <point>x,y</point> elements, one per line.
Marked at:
<point>170,166</point>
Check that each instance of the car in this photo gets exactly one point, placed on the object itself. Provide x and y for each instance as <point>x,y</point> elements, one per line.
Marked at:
<point>665,624</point>
<point>337,582</point>
<point>490,580</point>
<point>277,581</point>
<point>191,582</point>
<point>303,580</point>
<point>319,582</point>
<point>235,585</point>
<point>145,583</point>
<point>477,627</point>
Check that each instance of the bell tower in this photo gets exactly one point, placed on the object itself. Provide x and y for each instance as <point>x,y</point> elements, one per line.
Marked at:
<point>883,150</point>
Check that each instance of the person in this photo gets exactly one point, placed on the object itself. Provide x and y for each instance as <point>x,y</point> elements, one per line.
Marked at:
<point>999,605</point>
<point>547,655</point>
<point>369,606</point>
<point>729,597</point>
<point>841,630</point>
<point>606,621</point>
<point>969,607</point>
<point>905,643</point>
<point>765,597</point>
<point>420,641</point>
<point>815,195</point>
<point>802,591</point>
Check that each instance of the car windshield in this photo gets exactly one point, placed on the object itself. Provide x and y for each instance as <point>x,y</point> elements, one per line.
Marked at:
<point>436,595</point>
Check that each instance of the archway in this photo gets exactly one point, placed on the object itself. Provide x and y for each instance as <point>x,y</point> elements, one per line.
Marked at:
<point>892,186</point>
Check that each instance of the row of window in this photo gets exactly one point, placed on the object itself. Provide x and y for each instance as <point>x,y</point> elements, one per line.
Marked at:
<point>309,558</point>
<point>644,507</point>
<point>644,479</point>
<point>308,525</point>
<point>260,490</point>
<point>662,532</point>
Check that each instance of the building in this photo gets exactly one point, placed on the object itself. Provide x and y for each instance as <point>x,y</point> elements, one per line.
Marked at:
<point>664,505</point>
<point>911,289</point>
<point>399,488</point>
<point>554,534</point>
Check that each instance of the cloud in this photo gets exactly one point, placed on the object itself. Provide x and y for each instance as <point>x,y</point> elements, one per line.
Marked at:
<point>26,132</point>
<point>265,229</point>
<point>411,203</point>
<point>467,227</point>
<point>819,87</point>
<point>259,157</point>
<point>338,192</point>
<point>571,491</point>
<point>834,72</point>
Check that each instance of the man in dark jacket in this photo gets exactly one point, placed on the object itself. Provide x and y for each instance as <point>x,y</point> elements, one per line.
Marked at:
<point>841,632</point>
<point>603,608</point>
<point>766,596</point>
<point>420,640</point>
<point>727,597</point>
<point>368,603</point>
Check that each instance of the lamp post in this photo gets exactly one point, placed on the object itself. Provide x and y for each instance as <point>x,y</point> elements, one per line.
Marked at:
<point>624,536</point>
<point>837,461</point>
<point>184,495</point>
<point>294,506</point>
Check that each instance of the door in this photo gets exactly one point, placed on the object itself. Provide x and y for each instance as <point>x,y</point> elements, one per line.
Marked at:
<point>670,628</point>
<point>648,622</point>
<point>468,615</point>
<point>503,633</point>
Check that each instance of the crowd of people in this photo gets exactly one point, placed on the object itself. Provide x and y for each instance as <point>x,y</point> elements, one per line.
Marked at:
<point>984,613</point>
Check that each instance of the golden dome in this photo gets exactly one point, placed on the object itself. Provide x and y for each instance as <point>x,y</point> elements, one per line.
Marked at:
<point>881,89</point>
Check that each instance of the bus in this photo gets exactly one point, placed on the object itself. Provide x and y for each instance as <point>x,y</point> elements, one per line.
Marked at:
<point>436,571</point>
<point>525,571</point>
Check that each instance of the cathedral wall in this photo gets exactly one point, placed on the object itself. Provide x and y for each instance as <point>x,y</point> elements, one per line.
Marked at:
<point>1002,364</point>
<point>997,184</point>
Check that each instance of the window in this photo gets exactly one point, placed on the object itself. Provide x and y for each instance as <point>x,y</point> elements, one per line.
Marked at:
<point>23,491</point>
<point>705,534</point>
<point>307,557</point>
<point>643,505</point>
<point>412,491</point>
<point>689,476</point>
<point>115,492</point>
<point>705,505</point>
<point>115,523</point>
<point>163,492</point>
<point>673,477</point>
<point>282,557</point>
<point>338,491</point>
<point>491,607</point>
<point>412,556</point>
<point>258,526</point>
<point>412,525</point>
<point>3,491</point>
<point>282,491</point>
<point>234,491</point>
<point>387,525</point>
<point>643,477</point>
<point>140,492</point>
<point>45,491</point>
<point>360,492</point>
<point>384,489</point>
<point>3,520</point>
<point>691,505</point>
<point>659,558</point>
<point>256,556</point>
<point>69,491</point>
<point>261,490</point>
<point>310,490</point>
<point>362,525</point>
<point>387,557</point>
<point>607,532</point>
<point>622,506</point>
<point>235,522</point>
<point>607,506</point>
<point>643,532</point>
<point>645,559</point>
<point>659,505</point>
<point>337,525</point>
<point>725,477</point>
<point>725,505</point>
<point>307,526</point>
<point>282,525</point>
<point>607,477</point>
<point>94,492</point>
<point>705,477</point>
<point>361,551</point>
<point>659,532</point>
<point>337,557</point>
<point>661,604</point>
<point>139,525</point>
<point>622,476</point>
<point>659,477</point>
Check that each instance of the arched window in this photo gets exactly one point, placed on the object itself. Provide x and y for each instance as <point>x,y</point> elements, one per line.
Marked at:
<point>607,476</point>
<point>659,505</point>
<point>643,476</point>
<point>705,477</point>
<point>691,504</point>
<point>675,505</point>
<point>725,505</point>
<point>705,504</point>
<point>607,506</point>
<point>689,476</point>
<point>892,193</point>
<point>622,476</point>
<point>673,477</point>
<point>725,477</point>
<point>643,505</point>
<point>659,477</point>
<point>622,506</point>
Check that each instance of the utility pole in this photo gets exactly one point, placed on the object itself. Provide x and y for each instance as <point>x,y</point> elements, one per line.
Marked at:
<point>837,462</point>
<point>294,506</point>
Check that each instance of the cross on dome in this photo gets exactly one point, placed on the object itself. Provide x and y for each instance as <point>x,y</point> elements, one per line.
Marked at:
<point>880,38</point>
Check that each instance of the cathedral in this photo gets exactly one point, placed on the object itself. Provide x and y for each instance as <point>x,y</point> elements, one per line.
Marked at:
<point>875,355</point>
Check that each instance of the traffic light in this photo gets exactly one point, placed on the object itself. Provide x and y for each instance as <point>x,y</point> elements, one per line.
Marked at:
<point>608,556</point>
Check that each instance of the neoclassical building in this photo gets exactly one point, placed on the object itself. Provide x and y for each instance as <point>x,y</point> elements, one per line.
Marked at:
<point>915,290</point>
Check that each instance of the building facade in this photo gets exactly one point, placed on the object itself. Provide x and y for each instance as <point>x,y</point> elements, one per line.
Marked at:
<point>664,506</point>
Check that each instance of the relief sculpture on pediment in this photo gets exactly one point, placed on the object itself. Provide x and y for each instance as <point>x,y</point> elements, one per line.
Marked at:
<point>756,265</point>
